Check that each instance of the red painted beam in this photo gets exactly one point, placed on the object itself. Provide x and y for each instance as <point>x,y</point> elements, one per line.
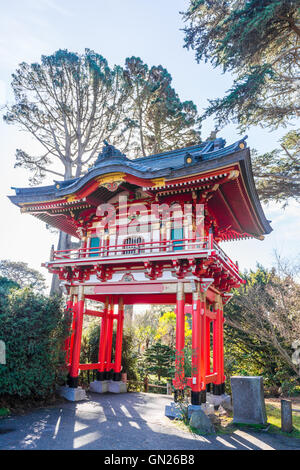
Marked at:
<point>89,366</point>
<point>94,313</point>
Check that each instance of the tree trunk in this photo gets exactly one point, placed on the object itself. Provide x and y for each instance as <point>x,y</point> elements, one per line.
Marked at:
<point>128,314</point>
<point>64,243</point>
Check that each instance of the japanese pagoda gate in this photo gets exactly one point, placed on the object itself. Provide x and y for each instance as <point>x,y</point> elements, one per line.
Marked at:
<point>151,261</point>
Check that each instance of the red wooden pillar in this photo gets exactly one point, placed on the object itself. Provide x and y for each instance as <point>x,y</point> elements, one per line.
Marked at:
<point>69,307</point>
<point>75,304</point>
<point>110,324</point>
<point>178,382</point>
<point>218,353</point>
<point>222,376</point>
<point>102,342</point>
<point>119,339</point>
<point>199,350</point>
<point>207,355</point>
<point>74,368</point>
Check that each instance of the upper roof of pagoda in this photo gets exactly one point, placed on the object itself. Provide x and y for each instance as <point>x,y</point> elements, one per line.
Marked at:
<point>207,161</point>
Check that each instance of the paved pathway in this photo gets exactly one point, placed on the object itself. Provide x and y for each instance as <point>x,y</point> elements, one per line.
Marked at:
<point>129,421</point>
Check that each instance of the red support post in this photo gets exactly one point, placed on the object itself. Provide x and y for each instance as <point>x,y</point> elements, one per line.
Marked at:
<point>102,342</point>
<point>75,304</point>
<point>180,341</point>
<point>223,378</point>
<point>69,307</point>
<point>199,350</point>
<point>73,379</point>
<point>119,339</point>
<point>110,324</point>
<point>218,353</point>
<point>207,346</point>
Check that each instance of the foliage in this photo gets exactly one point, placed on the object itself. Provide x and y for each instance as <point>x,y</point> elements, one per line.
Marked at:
<point>130,356</point>
<point>274,418</point>
<point>166,331</point>
<point>33,328</point>
<point>262,321</point>
<point>6,285</point>
<point>277,173</point>
<point>161,121</point>
<point>145,329</point>
<point>257,41</point>
<point>22,274</point>
<point>159,359</point>
<point>71,102</point>
<point>4,412</point>
<point>90,350</point>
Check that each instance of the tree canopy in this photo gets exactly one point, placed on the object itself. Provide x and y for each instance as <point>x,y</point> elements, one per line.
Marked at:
<point>259,43</point>
<point>160,120</point>
<point>21,274</point>
<point>277,173</point>
<point>264,318</point>
<point>71,102</point>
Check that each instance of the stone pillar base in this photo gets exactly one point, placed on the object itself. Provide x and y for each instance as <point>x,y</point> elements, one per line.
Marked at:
<point>173,411</point>
<point>72,394</point>
<point>208,409</point>
<point>218,400</point>
<point>99,386</point>
<point>117,387</point>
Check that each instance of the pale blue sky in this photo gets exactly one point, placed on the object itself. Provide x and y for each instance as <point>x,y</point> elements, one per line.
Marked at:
<point>117,29</point>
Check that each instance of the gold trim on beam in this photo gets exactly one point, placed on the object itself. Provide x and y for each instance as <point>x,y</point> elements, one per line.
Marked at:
<point>234,174</point>
<point>158,182</point>
<point>111,178</point>
<point>72,198</point>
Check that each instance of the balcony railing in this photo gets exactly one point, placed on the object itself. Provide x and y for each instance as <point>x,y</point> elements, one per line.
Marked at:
<point>222,255</point>
<point>204,245</point>
<point>185,244</point>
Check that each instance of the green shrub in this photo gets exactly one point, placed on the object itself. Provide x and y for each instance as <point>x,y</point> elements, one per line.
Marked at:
<point>33,328</point>
<point>90,350</point>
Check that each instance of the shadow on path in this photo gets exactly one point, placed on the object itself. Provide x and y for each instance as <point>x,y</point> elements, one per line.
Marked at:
<point>129,421</point>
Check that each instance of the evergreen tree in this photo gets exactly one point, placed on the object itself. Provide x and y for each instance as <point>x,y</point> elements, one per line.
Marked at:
<point>258,41</point>
<point>22,274</point>
<point>277,173</point>
<point>159,120</point>
<point>71,102</point>
<point>159,359</point>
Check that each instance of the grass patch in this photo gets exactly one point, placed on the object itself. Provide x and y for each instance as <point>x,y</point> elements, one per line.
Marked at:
<point>4,412</point>
<point>224,424</point>
<point>274,418</point>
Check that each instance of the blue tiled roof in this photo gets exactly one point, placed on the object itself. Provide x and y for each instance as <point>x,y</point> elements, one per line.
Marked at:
<point>158,165</point>
<point>193,160</point>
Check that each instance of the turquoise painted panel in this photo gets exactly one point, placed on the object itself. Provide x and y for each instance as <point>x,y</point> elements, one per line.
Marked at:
<point>177,234</point>
<point>94,246</point>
